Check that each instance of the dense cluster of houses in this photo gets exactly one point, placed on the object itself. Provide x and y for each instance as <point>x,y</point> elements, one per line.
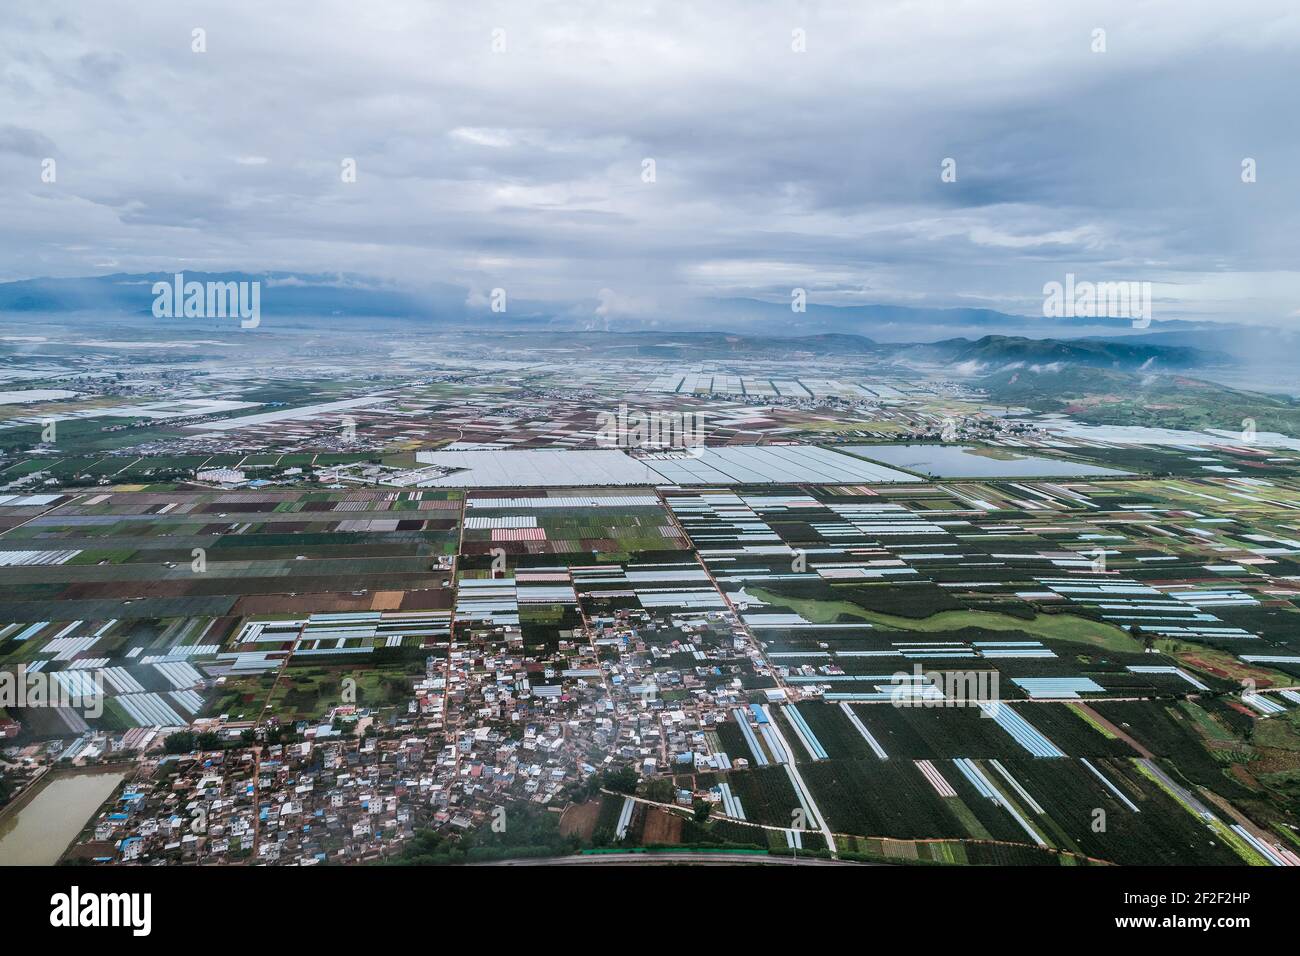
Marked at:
<point>492,724</point>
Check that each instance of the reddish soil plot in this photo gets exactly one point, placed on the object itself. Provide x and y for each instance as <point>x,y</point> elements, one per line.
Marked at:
<point>580,819</point>
<point>323,603</point>
<point>661,827</point>
<point>430,600</point>
<point>387,600</point>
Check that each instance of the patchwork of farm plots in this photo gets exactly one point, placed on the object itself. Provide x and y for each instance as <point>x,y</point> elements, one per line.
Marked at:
<point>567,521</point>
<point>969,572</point>
<point>950,774</point>
<point>1011,670</point>
<point>190,604</point>
<point>873,605</point>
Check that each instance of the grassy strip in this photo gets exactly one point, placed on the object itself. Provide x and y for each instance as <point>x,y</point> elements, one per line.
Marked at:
<point>1239,846</point>
<point>1064,627</point>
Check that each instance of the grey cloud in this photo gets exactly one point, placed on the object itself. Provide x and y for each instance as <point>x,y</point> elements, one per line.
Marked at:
<point>25,142</point>
<point>522,169</point>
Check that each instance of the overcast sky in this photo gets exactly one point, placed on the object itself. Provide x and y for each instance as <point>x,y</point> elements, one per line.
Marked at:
<point>522,168</point>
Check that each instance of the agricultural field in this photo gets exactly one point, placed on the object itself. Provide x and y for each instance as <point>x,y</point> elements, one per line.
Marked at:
<point>568,522</point>
<point>1061,672</point>
<point>179,606</point>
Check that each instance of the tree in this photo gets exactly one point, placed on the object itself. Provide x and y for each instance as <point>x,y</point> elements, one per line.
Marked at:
<point>181,742</point>
<point>623,780</point>
<point>1146,640</point>
<point>659,789</point>
<point>702,810</point>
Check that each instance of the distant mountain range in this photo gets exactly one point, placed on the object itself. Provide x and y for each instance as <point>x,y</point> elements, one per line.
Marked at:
<point>282,293</point>
<point>993,352</point>
<point>980,338</point>
<point>982,356</point>
<point>896,323</point>
<point>297,293</point>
